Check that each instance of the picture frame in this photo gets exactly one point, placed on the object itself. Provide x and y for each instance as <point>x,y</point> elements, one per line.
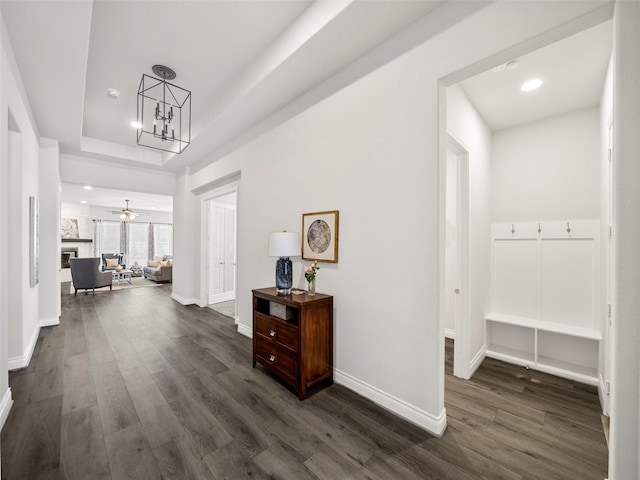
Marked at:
<point>320,236</point>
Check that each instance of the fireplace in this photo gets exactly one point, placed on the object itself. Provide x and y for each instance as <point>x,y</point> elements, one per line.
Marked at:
<point>67,253</point>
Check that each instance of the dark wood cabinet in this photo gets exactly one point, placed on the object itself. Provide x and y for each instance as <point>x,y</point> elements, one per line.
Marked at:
<point>293,337</point>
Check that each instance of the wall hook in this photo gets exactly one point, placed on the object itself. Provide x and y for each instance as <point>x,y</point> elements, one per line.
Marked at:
<point>539,229</point>
<point>513,230</point>
<point>568,228</point>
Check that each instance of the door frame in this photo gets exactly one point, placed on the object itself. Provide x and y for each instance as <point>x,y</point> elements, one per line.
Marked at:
<point>205,198</point>
<point>461,353</point>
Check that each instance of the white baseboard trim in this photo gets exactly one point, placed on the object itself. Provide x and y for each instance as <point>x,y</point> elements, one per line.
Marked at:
<point>449,333</point>
<point>477,361</point>
<point>15,363</point>
<point>602,394</point>
<point>5,406</point>
<point>245,330</point>
<point>49,322</point>
<point>433,424</point>
<point>185,301</point>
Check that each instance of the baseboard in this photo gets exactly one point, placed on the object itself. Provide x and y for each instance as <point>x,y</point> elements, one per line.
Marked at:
<point>602,394</point>
<point>477,361</point>
<point>450,333</point>
<point>245,330</point>
<point>5,406</point>
<point>15,363</point>
<point>432,424</point>
<point>49,322</point>
<point>185,301</point>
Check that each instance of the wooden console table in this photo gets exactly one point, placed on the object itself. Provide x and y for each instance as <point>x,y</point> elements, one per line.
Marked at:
<point>293,337</point>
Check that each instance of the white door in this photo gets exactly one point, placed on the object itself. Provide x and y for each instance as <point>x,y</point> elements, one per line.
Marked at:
<point>222,253</point>
<point>229,252</point>
<point>451,248</point>
<point>216,252</point>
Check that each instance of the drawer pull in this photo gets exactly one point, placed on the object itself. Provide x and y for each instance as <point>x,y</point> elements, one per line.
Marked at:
<point>272,333</point>
<point>272,358</point>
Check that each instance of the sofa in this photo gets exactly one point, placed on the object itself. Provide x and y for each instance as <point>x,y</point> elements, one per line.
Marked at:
<point>160,269</point>
<point>110,261</point>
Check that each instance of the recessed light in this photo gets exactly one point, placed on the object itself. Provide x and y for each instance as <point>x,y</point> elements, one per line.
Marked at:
<point>531,85</point>
<point>88,187</point>
<point>136,125</point>
<point>83,201</point>
<point>113,93</point>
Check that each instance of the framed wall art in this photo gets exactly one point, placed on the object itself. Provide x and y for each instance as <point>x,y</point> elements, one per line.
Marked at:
<point>320,236</point>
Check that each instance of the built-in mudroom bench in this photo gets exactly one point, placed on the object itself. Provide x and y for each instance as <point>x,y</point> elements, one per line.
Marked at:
<point>546,301</point>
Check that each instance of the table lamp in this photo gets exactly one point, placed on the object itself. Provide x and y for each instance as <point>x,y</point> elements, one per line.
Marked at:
<point>284,245</point>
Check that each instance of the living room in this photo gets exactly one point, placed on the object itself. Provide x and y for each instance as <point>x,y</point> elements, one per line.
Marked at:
<point>383,174</point>
<point>91,223</point>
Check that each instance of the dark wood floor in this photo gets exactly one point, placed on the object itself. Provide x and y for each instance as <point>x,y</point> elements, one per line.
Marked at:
<point>132,385</point>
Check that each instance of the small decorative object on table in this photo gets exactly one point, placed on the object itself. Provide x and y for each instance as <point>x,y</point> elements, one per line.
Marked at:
<point>136,269</point>
<point>310,274</point>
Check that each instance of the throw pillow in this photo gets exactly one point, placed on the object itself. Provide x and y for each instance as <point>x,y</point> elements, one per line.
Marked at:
<point>163,264</point>
<point>112,262</point>
<point>153,263</point>
<point>170,262</point>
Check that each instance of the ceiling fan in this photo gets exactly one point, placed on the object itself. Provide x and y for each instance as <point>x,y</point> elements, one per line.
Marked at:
<point>126,213</point>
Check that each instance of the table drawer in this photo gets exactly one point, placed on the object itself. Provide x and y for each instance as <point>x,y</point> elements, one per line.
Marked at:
<point>282,361</point>
<point>278,331</point>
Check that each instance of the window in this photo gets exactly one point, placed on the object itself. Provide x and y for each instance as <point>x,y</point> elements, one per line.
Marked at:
<point>111,237</point>
<point>138,243</point>
<point>163,239</point>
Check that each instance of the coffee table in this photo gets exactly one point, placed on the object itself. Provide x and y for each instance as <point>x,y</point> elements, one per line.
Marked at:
<point>121,277</point>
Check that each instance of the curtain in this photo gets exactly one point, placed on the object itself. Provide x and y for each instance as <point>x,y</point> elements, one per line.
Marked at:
<point>97,238</point>
<point>151,243</point>
<point>124,239</point>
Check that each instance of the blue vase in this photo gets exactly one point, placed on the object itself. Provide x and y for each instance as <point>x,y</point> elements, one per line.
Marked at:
<point>284,275</point>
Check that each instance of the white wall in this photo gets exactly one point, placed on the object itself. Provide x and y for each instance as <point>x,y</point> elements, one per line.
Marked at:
<point>625,381</point>
<point>606,116</point>
<point>49,170</point>
<point>464,123</point>
<point>21,155</point>
<point>83,171</point>
<point>547,170</point>
<point>371,151</point>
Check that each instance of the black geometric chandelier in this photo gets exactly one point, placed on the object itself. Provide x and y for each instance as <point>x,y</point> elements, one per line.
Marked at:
<point>164,112</point>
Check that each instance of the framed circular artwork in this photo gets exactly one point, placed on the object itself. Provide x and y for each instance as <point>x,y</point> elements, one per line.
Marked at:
<point>320,236</point>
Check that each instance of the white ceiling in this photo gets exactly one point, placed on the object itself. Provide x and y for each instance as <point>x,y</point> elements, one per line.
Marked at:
<point>573,71</point>
<point>115,199</point>
<point>243,61</point>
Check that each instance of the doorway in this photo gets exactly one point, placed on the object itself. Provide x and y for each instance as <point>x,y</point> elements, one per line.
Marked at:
<point>221,291</point>
<point>456,256</point>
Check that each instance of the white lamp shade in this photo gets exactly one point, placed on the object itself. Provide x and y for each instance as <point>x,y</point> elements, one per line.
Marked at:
<point>284,244</point>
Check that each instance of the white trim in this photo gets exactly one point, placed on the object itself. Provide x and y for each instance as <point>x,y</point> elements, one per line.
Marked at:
<point>433,424</point>
<point>603,395</point>
<point>243,329</point>
<point>186,301</point>
<point>477,360</point>
<point>450,333</point>
<point>49,322</point>
<point>5,406</point>
<point>22,361</point>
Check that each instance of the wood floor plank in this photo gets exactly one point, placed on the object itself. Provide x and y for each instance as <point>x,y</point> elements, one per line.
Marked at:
<point>130,455</point>
<point>177,460</point>
<point>133,385</point>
